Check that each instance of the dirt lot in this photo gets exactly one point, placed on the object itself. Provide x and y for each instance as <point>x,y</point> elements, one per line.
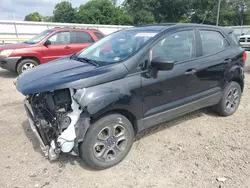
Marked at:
<point>191,151</point>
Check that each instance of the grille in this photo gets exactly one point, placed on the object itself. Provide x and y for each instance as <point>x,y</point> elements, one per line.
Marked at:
<point>248,39</point>
<point>242,40</point>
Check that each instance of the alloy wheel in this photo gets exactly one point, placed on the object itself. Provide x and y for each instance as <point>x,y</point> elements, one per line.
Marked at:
<point>232,101</point>
<point>27,66</point>
<point>110,142</point>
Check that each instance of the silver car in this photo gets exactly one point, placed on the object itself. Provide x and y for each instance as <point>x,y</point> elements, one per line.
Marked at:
<point>245,40</point>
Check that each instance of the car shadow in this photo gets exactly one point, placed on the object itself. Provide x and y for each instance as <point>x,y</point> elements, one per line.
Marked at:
<point>174,122</point>
<point>30,135</point>
<point>7,74</point>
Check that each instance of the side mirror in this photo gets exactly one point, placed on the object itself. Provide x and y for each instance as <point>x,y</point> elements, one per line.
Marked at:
<point>243,34</point>
<point>161,63</point>
<point>47,43</point>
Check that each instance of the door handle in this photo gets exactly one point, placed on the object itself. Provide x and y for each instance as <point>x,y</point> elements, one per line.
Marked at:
<point>190,72</point>
<point>67,47</point>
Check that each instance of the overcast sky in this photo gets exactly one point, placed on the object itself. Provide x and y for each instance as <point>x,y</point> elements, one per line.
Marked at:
<point>18,9</point>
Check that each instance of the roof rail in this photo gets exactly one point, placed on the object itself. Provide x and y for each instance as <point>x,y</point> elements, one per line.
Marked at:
<point>74,27</point>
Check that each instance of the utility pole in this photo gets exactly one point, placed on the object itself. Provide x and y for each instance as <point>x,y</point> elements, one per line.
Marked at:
<point>218,13</point>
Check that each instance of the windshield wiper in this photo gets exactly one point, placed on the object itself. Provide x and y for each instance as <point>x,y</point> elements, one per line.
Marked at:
<point>90,61</point>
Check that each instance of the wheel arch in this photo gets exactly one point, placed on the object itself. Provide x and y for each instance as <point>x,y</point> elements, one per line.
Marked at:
<point>239,81</point>
<point>27,57</point>
<point>236,74</point>
<point>129,115</point>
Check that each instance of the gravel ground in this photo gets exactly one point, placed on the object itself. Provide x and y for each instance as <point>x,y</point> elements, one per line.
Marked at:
<point>191,151</point>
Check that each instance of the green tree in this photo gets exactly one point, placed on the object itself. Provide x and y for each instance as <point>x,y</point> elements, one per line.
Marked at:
<point>203,11</point>
<point>65,13</point>
<point>232,12</point>
<point>143,17</point>
<point>36,17</point>
<point>157,11</point>
<point>48,19</point>
<point>103,12</point>
<point>141,11</point>
<point>236,12</point>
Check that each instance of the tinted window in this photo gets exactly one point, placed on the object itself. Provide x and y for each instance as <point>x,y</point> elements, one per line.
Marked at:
<point>179,46</point>
<point>98,35</point>
<point>81,37</point>
<point>60,38</point>
<point>212,42</point>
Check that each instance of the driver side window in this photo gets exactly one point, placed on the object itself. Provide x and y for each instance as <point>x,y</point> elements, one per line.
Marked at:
<point>60,38</point>
<point>179,46</point>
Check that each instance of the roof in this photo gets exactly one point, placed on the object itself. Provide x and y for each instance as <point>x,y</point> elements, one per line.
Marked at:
<point>163,26</point>
<point>151,28</point>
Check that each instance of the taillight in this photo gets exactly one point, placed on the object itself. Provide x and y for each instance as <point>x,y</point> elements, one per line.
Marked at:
<point>244,56</point>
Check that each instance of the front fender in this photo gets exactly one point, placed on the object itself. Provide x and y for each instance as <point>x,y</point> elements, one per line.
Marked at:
<point>120,94</point>
<point>25,53</point>
<point>94,100</point>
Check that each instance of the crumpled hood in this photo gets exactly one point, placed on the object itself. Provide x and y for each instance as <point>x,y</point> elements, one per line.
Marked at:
<point>65,73</point>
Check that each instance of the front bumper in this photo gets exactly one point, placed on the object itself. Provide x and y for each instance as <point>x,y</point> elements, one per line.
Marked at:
<point>51,149</point>
<point>9,63</point>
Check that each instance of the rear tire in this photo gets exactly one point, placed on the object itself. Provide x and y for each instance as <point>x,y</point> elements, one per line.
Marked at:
<point>230,100</point>
<point>107,142</point>
<point>26,64</point>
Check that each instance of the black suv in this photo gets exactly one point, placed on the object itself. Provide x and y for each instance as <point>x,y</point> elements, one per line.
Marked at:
<point>94,102</point>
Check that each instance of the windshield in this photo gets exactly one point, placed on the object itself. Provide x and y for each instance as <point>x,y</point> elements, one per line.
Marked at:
<point>38,37</point>
<point>117,47</point>
<point>248,33</point>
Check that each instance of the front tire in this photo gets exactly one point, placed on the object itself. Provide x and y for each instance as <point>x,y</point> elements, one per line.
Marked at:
<point>26,64</point>
<point>107,142</point>
<point>230,100</point>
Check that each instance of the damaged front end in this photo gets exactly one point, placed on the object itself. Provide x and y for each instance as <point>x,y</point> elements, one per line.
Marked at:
<point>57,121</point>
<point>60,98</point>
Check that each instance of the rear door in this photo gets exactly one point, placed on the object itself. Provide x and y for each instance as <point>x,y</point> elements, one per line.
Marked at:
<point>214,55</point>
<point>80,40</point>
<point>60,46</point>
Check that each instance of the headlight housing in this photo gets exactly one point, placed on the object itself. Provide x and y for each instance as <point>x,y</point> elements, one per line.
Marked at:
<point>6,53</point>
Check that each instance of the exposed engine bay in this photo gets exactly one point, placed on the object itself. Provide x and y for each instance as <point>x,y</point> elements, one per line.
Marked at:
<point>53,117</point>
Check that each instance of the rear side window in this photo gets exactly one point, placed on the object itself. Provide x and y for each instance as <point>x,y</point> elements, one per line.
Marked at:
<point>98,35</point>
<point>212,42</point>
<point>81,37</point>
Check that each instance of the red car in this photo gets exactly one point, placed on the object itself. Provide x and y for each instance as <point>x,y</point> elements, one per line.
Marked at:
<point>46,46</point>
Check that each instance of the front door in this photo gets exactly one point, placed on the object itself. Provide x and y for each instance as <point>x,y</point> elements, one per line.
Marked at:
<point>172,88</point>
<point>60,46</point>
